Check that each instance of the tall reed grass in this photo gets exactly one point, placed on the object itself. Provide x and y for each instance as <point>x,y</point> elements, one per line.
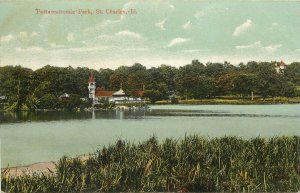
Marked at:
<point>193,163</point>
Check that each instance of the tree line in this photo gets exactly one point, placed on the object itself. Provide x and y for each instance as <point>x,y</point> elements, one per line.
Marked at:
<point>28,89</point>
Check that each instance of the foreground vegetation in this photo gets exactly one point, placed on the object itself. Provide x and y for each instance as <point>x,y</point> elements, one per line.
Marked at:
<point>191,164</point>
<point>26,89</point>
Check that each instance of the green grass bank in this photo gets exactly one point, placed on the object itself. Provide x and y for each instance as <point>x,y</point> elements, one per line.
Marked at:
<point>193,163</point>
<point>235,101</point>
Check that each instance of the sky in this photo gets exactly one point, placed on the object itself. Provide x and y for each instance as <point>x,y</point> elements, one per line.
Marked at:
<point>172,32</point>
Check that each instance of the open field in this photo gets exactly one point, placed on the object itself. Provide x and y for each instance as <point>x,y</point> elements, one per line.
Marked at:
<point>190,164</point>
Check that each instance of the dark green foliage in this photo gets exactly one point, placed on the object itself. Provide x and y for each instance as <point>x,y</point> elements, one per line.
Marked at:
<point>26,89</point>
<point>153,95</point>
<point>227,164</point>
<point>48,101</point>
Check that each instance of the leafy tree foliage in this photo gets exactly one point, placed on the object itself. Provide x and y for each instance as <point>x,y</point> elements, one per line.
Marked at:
<point>28,89</point>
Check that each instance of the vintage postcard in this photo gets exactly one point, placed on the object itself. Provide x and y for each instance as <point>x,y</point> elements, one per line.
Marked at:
<point>149,96</point>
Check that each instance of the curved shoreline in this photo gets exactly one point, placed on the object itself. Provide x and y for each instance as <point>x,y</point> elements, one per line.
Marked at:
<point>38,167</point>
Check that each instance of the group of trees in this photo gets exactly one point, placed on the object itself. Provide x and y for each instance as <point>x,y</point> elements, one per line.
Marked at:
<point>28,89</point>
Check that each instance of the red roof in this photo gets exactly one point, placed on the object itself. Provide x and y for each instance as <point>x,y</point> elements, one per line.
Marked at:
<point>100,92</point>
<point>281,64</point>
<point>104,93</point>
<point>92,78</point>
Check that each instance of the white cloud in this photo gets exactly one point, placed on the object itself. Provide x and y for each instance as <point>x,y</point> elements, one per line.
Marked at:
<point>195,50</point>
<point>137,49</point>
<point>187,25</point>
<point>255,44</point>
<point>104,36</point>
<point>161,24</point>
<point>259,46</point>
<point>87,49</point>
<point>7,38</point>
<point>105,23</point>
<point>127,33</point>
<point>177,41</point>
<point>242,28</point>
<point>272,48</point>
<point>70,37</point>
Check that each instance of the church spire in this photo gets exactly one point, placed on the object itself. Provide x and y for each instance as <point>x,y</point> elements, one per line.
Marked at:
<point>92,78</point>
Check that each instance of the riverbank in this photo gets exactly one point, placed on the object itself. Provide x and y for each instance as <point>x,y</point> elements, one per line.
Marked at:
<point>235,101</point>
<point>190,164</point>
<point>226,100</point>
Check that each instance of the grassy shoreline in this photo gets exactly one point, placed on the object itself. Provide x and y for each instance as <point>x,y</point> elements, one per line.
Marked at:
<point>226,100</point>
<point>235,101</point>
<point>190,164</point>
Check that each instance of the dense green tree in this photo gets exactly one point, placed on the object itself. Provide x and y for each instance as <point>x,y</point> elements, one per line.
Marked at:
<point>244,84</point>
<point>103,78</point>
<point>153,95</point>
<point>48,101</point>
<point>119,77</point>
<point>27,89</point>
<point>292,73</point>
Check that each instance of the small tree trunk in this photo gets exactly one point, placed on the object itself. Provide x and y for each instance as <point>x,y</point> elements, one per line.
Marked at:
<point>252,97</point>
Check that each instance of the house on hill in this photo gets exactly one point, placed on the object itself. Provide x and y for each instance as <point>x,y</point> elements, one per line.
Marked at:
<point>280,67</point>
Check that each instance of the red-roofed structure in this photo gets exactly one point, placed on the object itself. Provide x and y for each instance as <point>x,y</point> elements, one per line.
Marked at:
<point>101,93</point>
<point>280,66</point>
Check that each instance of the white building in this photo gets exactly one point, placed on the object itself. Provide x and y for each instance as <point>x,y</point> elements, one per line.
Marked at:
<point>280,67</point>
<point>92,89</point>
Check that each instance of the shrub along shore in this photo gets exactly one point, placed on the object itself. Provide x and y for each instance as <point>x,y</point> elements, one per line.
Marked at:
<point>235,101</point>
<point>193,163</point>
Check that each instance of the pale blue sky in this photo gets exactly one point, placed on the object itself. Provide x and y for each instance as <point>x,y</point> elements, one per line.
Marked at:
<point>172,32</point>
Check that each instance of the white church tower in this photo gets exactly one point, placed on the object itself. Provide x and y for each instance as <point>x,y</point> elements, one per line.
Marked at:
<point>92,88</point>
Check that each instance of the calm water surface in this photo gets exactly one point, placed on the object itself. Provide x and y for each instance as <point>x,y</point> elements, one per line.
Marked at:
<point>43,136</point>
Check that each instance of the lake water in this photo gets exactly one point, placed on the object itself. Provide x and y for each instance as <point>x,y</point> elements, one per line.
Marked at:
<point>44,136</point>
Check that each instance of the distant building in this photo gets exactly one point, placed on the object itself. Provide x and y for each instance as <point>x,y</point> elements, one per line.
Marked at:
<point>64,96</point>
<point>3,97</point>
<point>119,96</point>
<point>103,94</point>
<point>92,89</point>
<point>280,67</point>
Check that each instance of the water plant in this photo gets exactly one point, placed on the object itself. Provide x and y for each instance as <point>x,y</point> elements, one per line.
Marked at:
<point>193,163</point>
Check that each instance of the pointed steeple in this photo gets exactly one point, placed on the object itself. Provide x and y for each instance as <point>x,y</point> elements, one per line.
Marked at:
<point>92,78</point>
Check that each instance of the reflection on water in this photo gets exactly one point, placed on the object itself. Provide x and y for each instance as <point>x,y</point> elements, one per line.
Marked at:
<point>29,137</point>
<point>26,116</point>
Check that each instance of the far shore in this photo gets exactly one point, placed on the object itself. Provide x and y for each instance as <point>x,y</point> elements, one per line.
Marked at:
<point>210,101</point>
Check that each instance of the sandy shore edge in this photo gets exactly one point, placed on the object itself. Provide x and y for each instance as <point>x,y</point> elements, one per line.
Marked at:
<point>39,167</point>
